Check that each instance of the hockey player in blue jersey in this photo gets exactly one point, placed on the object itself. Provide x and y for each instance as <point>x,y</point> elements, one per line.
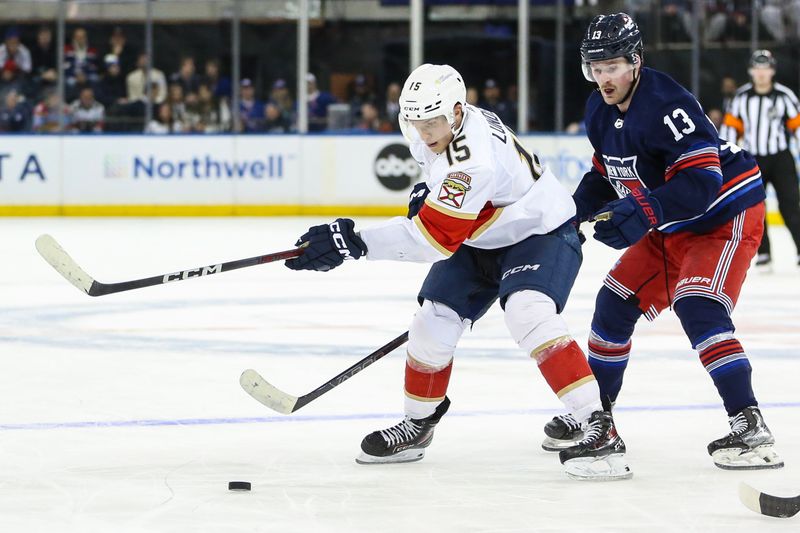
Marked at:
<point>689,208</point>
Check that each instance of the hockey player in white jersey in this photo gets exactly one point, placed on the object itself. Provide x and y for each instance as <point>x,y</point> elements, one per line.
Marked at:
<point>496,225</point>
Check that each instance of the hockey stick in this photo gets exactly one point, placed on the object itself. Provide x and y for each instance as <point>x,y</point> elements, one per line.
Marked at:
<point>59,259</point>
<point>767,504</point>
<point>274,398</point>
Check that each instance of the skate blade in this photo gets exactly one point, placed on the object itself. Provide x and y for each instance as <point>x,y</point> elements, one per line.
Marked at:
<point>610,468</point>
<point>406,456</point>
<point>550,444</point>
<point>759,458</point>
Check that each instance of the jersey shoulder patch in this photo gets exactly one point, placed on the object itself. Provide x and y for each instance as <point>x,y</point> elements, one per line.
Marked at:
<point>454,189</point>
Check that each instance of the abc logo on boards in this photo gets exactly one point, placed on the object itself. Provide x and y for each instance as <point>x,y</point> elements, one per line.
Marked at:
<point>395,168</point>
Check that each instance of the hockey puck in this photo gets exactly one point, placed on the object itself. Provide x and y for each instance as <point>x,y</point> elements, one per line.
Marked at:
<point>239,485</point>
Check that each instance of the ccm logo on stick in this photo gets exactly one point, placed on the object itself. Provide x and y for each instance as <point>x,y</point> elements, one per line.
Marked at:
<point>193,273</point>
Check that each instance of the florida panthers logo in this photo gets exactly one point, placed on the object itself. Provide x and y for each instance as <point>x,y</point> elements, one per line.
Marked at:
<point>622,174</point>
<point>454,189</point>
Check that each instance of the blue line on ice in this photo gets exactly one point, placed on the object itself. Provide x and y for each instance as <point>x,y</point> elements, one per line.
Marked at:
<point>101,424</point>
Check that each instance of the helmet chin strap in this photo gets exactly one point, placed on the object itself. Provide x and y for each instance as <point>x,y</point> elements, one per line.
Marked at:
<point>633,84</point>
<point>630,89</point>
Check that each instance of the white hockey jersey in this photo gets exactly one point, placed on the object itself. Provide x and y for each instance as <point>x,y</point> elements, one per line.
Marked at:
<point>487,192</point>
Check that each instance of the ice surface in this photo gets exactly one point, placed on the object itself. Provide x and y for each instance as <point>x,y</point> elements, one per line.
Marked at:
<point>123,413</point>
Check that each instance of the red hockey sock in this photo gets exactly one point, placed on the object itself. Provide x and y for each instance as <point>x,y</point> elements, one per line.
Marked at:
<point>426,384</point>
<point>564,367</point>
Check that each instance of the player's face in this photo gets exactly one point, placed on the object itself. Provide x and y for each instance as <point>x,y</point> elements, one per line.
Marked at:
<point>435,132</point>
<point>613,77</point>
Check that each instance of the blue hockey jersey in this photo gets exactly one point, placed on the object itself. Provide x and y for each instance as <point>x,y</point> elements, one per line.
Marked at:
<point>666,143</point>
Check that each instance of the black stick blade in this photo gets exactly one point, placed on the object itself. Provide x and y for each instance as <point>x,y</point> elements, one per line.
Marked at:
<point>767,504</point>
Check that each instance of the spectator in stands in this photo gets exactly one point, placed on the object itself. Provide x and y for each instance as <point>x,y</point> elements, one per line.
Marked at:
<point>44,57</point>
<point>727,87</point>
<point>728,20</point>
<point>274,120</point>
<point>251,109</point>
<point>14,115</point>
<point>360,93</point>
<point>12,79</point>
<point>112,90</point>
<point>792,12</point>
<point>119,47</point>
<point>781,18</point>
<point>87,113</point>
<point>492,102</point>
<point>318,102</point>
<point>14,53</point>
<point>716,116</point>
<point>370,121</point>
<point>46,114</point>
<point>79,57</point>
<point>177,103</point>
<point>472,95</point>
<point>163,123</point>
<point>512,97</point>
<point>676,21</point>
<point>209,114</point>
<point>391,109</point>
<point>280,96</point>
<point>136,82</point>
<point>186,77</point>
<point>72,92</point>
<point>220,85</point>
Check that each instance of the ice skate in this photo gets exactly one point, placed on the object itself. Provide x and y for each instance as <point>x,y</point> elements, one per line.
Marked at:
<point>749,445</point>
<point>402,443</point>
<point>563,431</point>
<point>600,456</point>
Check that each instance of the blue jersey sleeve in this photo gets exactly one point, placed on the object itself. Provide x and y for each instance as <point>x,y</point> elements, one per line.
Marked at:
<point>689,146</point>
<point>593,192</point>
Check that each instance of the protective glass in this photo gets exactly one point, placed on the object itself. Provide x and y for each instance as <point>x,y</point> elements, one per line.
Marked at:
<point>418,130</point>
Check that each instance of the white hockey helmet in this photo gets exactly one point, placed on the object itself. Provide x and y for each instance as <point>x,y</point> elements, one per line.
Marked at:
<point>430,91</point>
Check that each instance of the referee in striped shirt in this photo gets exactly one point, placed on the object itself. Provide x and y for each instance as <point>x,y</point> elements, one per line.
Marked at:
<point>764,114</point>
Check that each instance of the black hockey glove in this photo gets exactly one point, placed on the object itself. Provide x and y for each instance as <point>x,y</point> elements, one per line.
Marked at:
<point>328,246</point>
<point>417,198</point>
<point>631,219</point>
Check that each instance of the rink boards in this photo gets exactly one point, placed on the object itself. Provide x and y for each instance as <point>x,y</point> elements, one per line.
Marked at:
<point>220,175</point>
<point>227,175</point>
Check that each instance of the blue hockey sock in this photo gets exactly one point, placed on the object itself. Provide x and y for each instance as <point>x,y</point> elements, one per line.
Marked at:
<point>724,359</point>
<point>610,342</point>
<point>608,361</point>
<point>709,328</point>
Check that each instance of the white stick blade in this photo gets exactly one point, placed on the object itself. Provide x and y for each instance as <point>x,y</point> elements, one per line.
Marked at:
<point>749,497</point>
<point>260,389</point>
<point>60,260</point>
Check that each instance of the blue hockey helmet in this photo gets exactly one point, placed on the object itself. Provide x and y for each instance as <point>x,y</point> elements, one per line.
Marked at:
<point>609,37</point>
